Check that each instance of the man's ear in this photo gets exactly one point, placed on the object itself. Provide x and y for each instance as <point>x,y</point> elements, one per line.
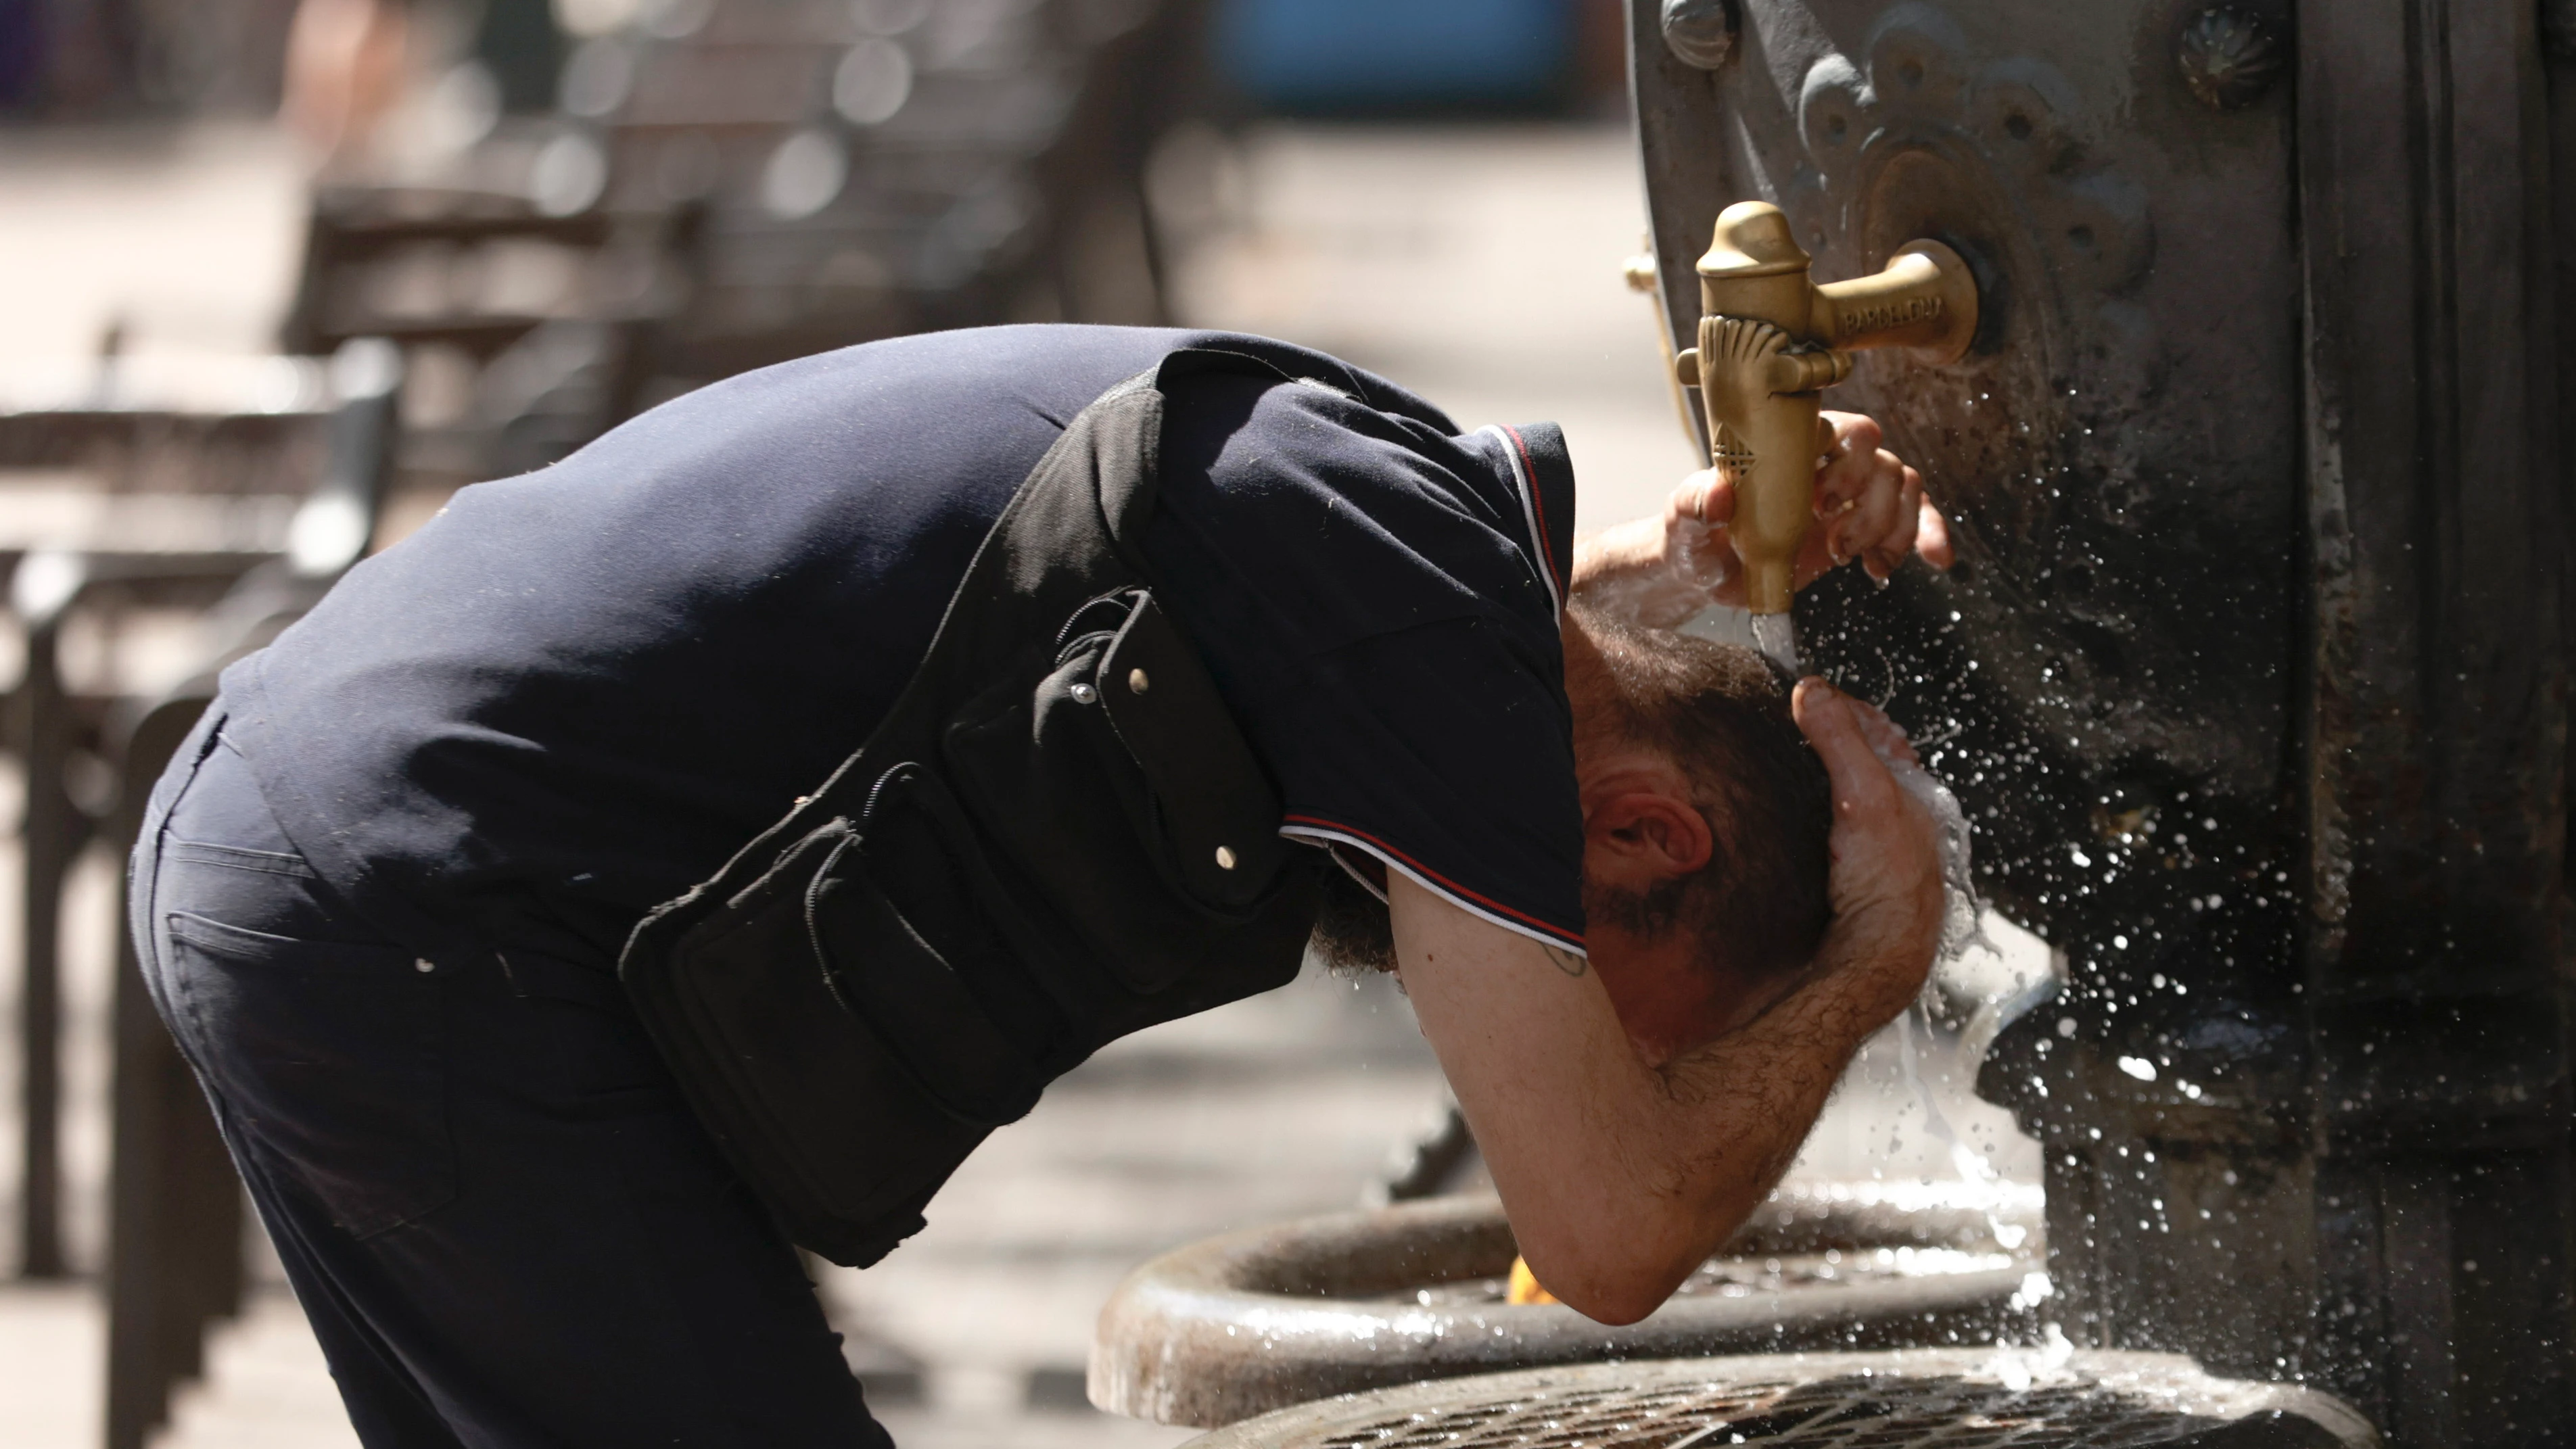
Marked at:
<point>1639,838</point>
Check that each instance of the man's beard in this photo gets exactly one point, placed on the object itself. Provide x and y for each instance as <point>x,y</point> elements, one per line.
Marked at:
<point>1353,934</point>
<point>1645,914</point>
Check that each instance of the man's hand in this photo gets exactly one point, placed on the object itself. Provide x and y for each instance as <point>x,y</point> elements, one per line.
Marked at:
<point>1870,506</point>
<point>1619,1177</point>
<point>1885,884</point>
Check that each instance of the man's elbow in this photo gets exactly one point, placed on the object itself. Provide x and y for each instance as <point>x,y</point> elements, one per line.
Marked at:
<point>1615,1261</point>
<point>1617,1305</point>
<point>1605,1285</point>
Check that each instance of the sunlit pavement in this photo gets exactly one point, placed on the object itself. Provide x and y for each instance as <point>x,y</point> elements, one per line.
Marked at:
<point>189,238</point>
<point>1477,266</point>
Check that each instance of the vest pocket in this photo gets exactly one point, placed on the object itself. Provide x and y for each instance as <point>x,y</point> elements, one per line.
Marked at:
<point>815,1108</point>
<point>1116,799</point>
<point>917,939</point>
<point>1209,811</point>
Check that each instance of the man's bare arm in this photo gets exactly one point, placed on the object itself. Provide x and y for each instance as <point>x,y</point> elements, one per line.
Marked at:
<point>1620,1178</point>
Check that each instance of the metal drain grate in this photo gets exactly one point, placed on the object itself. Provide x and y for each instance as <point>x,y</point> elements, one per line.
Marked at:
<point>1959,1414</point>
<point>1943,1398</point>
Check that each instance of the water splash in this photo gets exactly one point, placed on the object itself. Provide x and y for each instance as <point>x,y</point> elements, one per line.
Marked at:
<point>1777,638</point>
<point>1960,931</point>
<point>1965,1160</point>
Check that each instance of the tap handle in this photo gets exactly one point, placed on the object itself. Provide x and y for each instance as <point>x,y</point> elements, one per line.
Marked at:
<point>1806,369</point>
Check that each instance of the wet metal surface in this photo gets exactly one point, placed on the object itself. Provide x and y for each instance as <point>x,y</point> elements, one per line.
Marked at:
<point>1954,1398</point>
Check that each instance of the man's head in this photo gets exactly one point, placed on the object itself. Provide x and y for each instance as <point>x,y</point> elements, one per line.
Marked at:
<point>1705,819</point>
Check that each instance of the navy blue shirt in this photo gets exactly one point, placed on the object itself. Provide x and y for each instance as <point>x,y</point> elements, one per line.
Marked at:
<point>573,694</point>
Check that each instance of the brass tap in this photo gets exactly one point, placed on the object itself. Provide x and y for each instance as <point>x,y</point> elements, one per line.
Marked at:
<point>1770,338</point>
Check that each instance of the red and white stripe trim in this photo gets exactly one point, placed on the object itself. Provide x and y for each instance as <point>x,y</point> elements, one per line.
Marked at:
<point>1533,512</point>
<point>1485,908</point>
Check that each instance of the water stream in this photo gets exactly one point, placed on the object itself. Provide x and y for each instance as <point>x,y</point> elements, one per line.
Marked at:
<point>1777,638</point>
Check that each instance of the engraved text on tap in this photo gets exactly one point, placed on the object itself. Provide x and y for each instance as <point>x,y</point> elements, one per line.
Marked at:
<point>1879,316</point>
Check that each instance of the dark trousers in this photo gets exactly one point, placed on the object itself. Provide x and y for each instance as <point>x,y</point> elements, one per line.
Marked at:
<point>505,1225</point>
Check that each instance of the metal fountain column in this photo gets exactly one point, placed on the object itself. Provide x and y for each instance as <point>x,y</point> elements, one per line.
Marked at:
<point>2254,676</point>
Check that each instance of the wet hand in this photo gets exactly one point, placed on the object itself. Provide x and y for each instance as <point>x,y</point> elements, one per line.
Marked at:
<point>1872,506</point>
<point>1869,506</point>
<point>1885,878</point>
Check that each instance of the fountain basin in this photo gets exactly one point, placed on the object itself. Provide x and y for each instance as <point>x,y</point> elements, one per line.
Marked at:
<point>1239,1325</point>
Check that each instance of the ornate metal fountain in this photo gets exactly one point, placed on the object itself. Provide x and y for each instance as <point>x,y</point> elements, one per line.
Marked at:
<point>2253,671</point>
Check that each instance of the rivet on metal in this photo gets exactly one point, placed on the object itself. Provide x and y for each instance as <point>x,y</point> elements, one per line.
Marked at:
<point>2226,57</point>
<point>1700,33</point>
<point>1084,694</point>
<point>1137,683</point>
<point>1225,857</point>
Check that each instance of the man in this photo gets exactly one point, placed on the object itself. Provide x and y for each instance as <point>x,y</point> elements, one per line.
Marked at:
<point>384,894</point>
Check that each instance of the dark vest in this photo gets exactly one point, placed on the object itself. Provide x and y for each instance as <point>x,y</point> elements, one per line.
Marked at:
<point>1057,836</point>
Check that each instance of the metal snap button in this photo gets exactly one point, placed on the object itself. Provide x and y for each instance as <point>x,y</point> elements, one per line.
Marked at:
<point>1224,858</point>
<point>1084,694</point>
<point>1137,683</point>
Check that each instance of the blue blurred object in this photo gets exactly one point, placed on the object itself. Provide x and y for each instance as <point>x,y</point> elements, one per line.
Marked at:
<point>22,54</point>
<point>1350,55</point>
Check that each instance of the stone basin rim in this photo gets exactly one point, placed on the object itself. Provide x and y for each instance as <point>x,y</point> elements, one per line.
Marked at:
<point>1247,1322</point>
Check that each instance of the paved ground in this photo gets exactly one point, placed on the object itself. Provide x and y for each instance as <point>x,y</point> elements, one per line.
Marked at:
<point>188,237</point>
<point>1480,266</point>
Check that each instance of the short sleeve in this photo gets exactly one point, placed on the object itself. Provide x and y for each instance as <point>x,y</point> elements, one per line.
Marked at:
<point>1378,599</point>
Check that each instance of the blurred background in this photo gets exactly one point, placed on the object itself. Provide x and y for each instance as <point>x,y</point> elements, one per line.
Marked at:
<point>278,276</point>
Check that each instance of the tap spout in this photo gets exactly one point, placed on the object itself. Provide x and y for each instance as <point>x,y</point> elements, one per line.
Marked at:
<point>1770,339</point>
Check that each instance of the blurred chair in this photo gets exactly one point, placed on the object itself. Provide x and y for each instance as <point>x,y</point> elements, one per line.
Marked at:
<point>1442,1160</point>
<point>175,1221</point>
<point>730,183</point>
<point>212,536</point>
<point>175,1245</point>
<point>544,326</point>
<point>115,489</point>
<point>895,166</point>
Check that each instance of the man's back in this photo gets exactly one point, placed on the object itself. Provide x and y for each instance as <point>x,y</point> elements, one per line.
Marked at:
<point>573,694</point>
